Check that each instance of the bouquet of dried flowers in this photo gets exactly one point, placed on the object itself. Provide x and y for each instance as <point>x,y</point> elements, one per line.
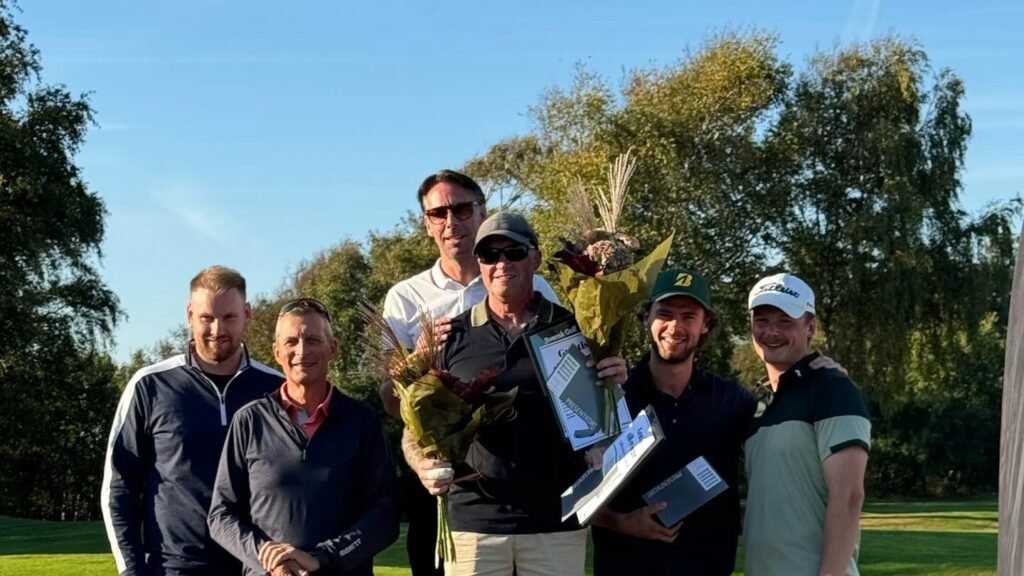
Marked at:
<point>600,274</point>
<point>442,413</point>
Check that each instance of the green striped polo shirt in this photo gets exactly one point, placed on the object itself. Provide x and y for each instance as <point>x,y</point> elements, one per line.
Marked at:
<point>812,415</point>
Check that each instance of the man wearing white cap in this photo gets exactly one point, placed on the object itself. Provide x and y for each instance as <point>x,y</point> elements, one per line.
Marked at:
<point>808,450</point>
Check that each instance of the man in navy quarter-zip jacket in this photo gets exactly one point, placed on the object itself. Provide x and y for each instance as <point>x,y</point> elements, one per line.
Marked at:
<point>167,435</point>
<point>305,483</point>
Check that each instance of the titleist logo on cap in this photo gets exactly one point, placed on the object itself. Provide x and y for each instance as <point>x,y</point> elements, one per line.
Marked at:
<point>777,287</point>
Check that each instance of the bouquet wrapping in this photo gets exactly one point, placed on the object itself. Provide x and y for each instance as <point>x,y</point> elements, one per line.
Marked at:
<point>441,413</point>
<point>600,275</point>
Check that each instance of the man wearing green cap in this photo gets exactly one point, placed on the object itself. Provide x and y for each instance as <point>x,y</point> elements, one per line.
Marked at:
<point>702,415</point>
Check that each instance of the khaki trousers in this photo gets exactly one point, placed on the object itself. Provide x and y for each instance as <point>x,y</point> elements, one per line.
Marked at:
<point>548,554</point>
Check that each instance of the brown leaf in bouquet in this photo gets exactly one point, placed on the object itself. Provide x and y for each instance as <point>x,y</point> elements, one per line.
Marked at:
<point>576,259</point>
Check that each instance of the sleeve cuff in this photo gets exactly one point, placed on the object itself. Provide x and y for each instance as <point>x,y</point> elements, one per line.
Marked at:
<point>322,557</point>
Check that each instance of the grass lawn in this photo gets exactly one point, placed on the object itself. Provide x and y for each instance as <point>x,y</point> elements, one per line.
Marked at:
<point>899,538</point>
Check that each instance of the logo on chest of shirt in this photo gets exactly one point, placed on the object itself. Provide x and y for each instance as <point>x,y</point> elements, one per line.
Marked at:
<point>764,396</point>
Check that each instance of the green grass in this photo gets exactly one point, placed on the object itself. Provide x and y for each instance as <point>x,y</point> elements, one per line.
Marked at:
<point>929,538</point>
<point>899,538</point>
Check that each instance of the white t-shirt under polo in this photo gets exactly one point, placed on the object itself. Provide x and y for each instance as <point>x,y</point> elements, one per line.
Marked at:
<point>433,292</point>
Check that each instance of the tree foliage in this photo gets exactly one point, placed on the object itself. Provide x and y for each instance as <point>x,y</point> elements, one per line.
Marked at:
<point>695,128</point>
<point>871,144</point>
<point>341,277</point>
<point>847,173</point>
<point>56,314</point>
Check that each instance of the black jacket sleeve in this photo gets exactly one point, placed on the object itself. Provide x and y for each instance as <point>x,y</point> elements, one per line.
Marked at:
<point>124,472</point>
<point>229,519</point>
<point>377,528</point>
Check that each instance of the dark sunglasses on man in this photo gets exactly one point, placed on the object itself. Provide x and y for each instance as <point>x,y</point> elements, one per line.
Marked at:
<point>513,253</point>
<point>461,211</point>
<point>305,304</point>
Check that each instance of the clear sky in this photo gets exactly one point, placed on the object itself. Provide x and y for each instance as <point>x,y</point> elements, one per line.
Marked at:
<point>254,133</point>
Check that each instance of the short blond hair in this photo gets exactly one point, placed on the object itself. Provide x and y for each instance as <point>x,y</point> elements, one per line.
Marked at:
<point>218,279</point>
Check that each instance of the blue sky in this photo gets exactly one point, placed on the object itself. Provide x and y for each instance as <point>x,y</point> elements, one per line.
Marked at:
<point>254,134</point>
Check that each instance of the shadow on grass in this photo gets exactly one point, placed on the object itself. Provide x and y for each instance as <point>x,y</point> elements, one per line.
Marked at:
<point>913,553</point>
<point>956,517</point>
<point>19,536</point>
<point>925,507</point>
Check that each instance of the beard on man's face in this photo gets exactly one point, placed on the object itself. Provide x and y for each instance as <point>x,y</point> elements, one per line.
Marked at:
<point>672,357</point>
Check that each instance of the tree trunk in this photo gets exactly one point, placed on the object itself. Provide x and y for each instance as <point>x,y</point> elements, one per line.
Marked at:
<point>1011,450</point>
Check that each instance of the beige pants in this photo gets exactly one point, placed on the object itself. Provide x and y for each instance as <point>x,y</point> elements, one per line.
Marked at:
<point>549,554</point>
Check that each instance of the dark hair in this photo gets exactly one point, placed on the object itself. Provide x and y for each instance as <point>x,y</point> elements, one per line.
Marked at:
<point>451,177</point>
<point>710,320</point>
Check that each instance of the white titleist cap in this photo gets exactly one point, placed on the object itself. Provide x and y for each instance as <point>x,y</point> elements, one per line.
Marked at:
<point>784,291</point>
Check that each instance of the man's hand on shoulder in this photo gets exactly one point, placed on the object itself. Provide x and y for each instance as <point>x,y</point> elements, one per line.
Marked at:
<point>442,329</point>
<point>823,362</point>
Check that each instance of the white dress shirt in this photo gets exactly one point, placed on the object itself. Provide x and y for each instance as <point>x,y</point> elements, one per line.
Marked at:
<point>442,297</point>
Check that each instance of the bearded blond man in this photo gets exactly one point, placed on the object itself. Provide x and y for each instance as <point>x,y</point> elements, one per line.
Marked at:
<point>167,435</point>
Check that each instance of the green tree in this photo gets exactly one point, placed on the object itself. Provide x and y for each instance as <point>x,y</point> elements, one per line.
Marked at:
<point>398,254</point>
<point>862,192</point>
<point>696,129</point>
<point>342,277</point>
<point>55,311</point>
<point>170,345</point>
<point>870,147</point>
<point>337,277</point>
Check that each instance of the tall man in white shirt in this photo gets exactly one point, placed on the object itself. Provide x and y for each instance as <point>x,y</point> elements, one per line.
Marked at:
<point>453,209</point>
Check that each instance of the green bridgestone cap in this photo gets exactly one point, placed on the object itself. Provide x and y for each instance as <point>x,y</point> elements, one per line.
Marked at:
<point>681,282</point>
<point>509,224</point>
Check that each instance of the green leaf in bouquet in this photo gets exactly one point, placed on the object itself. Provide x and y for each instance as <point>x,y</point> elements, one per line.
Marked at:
<point>442,424</point>
<point>601,303</point>
<point>455,445</point>
<point>429,409</point>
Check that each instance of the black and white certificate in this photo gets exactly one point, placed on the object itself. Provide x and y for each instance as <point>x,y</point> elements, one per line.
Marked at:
<point>563,363</point>
<point>620,460</point>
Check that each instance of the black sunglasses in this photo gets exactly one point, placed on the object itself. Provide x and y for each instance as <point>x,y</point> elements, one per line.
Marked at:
<point>513,253</point>
<point>305,304</point>
<point>462,211</point>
